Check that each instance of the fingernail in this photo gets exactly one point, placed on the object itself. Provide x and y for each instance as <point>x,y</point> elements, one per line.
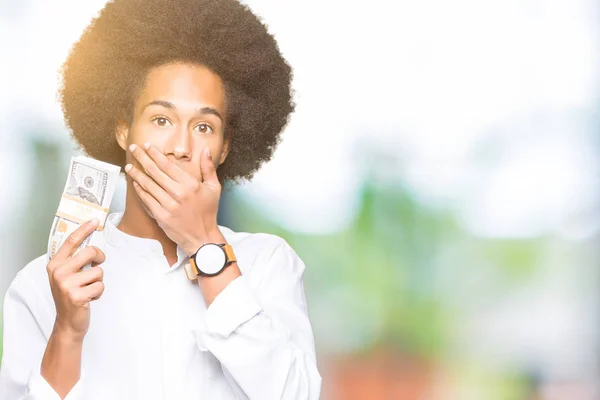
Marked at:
<point>147,145</point>
<point>95,221</point>
<point>207,151</point>
<point>128,167</point>
<point>132,147</point>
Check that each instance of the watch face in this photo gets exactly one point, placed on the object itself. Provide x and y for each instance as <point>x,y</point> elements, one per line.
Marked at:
<point>210,259</point>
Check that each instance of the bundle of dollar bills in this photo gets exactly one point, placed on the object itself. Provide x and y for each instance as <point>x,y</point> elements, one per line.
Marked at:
<point>88,193</point>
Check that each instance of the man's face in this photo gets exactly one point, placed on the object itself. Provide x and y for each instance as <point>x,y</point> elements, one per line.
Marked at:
<point>181,111</point>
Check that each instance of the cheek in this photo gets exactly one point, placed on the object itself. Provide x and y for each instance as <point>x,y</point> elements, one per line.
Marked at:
<point>220,154</point>
<point>217,156</point>
<point>215,143</point>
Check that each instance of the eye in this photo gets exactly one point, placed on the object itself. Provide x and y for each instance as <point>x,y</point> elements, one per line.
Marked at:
<point>204,128</point>
<point>161,121</point>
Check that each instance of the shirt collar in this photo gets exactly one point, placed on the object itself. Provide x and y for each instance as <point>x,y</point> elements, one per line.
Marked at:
<point>132,244</point>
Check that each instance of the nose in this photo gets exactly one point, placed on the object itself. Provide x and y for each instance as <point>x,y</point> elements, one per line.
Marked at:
<point>181,145</point>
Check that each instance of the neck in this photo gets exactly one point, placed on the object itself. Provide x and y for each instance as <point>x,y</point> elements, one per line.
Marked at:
<point>137,222</point>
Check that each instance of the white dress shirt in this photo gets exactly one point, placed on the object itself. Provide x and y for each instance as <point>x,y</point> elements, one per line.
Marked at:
<point>152,337</point>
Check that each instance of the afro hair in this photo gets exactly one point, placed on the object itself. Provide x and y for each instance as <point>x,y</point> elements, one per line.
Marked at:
<point>107,67</point>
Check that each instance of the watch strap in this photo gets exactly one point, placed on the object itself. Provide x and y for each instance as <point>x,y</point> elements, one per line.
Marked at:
<point>192,271</point>
<point>229,254</point>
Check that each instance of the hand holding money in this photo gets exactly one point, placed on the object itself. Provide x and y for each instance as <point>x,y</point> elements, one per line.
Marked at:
<point>72,288</point>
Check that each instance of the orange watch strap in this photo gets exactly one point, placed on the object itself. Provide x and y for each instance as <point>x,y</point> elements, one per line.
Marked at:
<point>229,253</point>
<point>191,272</point>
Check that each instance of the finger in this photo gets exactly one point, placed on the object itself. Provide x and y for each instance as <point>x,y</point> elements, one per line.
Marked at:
<point>85,256</point>
<point>149,185</point>
<point>207,166</point>
<point>168,167</point>
<point>86,277</point>
<point>75,239</point>
<point>151,203</point>
<point>197,161</point>
<point>91,292</point>
<point>153,170</point>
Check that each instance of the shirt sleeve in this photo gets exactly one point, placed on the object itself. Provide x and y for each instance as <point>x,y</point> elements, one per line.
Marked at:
<point>265,342</point>
<point>24,344</point>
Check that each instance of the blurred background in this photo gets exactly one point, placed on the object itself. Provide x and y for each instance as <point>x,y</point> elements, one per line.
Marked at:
<point>439,179</point>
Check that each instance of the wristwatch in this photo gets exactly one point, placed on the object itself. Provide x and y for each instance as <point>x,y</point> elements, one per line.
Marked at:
<point>210,260</point>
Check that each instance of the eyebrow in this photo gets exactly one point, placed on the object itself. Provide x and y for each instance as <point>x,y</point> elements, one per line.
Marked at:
<point>171,106</point>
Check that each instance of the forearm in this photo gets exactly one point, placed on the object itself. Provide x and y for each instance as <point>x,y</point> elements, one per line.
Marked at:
<point>265,346</point>
<point>61,364</point>
<point>262,360</point>
<point>211,286</point>
<point>267,353</point>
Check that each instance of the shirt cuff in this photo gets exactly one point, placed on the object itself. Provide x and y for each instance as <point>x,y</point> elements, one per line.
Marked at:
<point>39,389</point>
<point>235,305</point>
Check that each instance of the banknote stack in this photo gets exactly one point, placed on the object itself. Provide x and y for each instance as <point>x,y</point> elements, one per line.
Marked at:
<point>88,192</point>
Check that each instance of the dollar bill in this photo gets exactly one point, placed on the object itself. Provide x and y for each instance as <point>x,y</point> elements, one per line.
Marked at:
<point>87,194</point>
<point>87,182</point>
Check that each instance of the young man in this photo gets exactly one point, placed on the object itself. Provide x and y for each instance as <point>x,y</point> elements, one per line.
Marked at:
<point>185,95</point>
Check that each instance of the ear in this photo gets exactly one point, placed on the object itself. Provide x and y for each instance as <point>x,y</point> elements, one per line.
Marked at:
<point>121,134</point>
<point>225,151</point>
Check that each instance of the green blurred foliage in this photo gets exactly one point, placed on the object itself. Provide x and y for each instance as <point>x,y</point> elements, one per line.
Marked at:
<point>385,258</point>
<point>46,186</point>
<point>407,263</point>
